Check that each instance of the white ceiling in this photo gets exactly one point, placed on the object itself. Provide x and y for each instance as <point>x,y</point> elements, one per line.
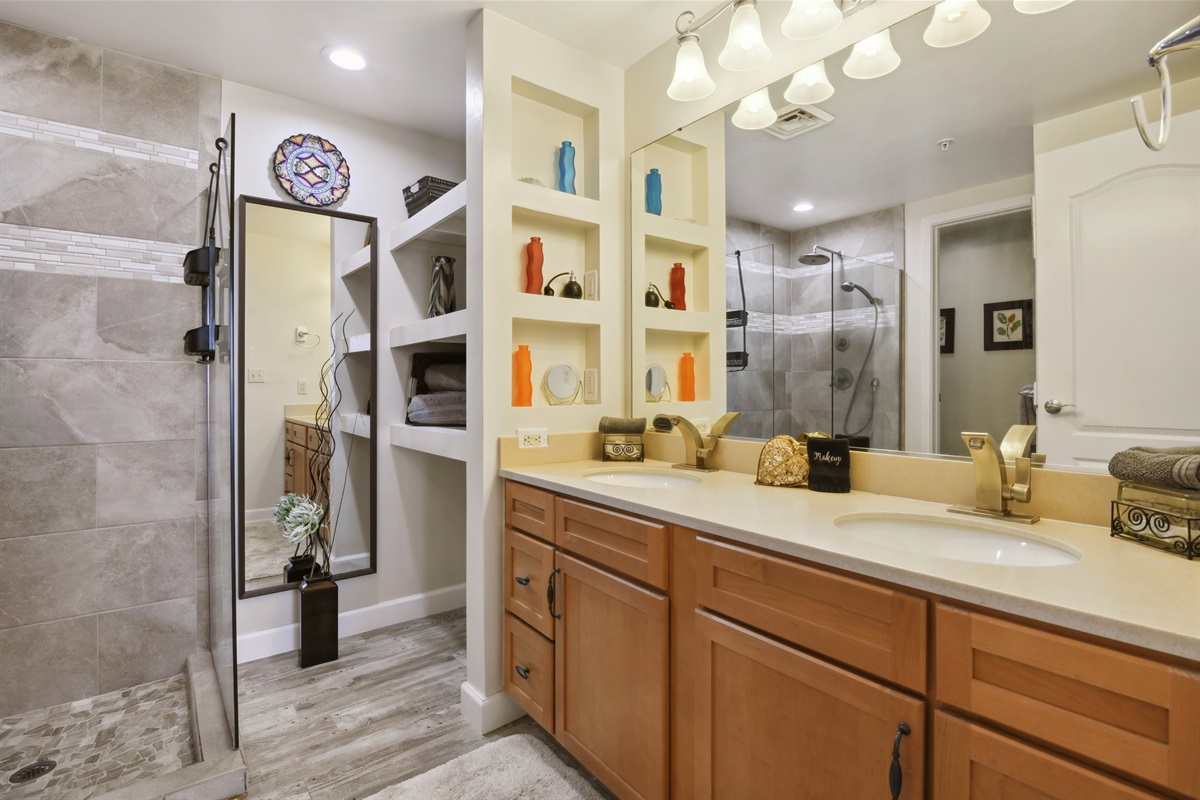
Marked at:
<point>416,48</point>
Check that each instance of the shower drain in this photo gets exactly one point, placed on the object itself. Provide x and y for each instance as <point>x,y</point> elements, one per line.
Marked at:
<point>32,772</point>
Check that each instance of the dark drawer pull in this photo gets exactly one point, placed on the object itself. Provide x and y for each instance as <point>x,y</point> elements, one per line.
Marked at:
<point>895,774</point>
<point>550,593</point>
<point>523,672</point>
<point>522,581</point>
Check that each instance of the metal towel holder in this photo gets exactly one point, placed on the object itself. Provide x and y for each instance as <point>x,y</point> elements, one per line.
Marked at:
<point>1182,38</point>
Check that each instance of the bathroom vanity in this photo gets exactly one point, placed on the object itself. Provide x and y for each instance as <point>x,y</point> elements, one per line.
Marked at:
<point>300,443</point>
<point>721,639</point>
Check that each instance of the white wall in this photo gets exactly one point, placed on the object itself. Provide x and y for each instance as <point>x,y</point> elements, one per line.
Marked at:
<point>421,518</point>
<point>287,285</point>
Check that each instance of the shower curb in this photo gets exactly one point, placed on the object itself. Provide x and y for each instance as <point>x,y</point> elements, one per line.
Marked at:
<point>219,770</point>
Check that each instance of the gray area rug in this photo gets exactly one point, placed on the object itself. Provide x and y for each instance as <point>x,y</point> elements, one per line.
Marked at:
<point>517,767</point>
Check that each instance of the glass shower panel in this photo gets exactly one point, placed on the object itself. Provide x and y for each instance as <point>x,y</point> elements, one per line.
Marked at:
<point>752,285</point>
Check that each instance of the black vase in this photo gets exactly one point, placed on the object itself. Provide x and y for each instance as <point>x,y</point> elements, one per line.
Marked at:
<point>318,621</point>
<point>297,567</point>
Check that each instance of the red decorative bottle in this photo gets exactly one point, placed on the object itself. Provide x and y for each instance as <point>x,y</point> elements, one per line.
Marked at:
<point>678,287</point>
<point>533,266</point>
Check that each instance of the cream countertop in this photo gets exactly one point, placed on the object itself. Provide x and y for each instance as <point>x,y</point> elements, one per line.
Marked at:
<point>309,420</point>
<point>1119,590</point>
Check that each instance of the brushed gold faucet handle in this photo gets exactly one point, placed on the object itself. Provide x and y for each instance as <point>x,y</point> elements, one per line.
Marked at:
<point>1017,442</point>
<point>723,424</point>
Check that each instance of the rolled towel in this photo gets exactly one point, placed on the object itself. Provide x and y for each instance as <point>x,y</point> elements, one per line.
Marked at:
<point>1171,467</point>
<point>446,377</point>
<point>627,425</point>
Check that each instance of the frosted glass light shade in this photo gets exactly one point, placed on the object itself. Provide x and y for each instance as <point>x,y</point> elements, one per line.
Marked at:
<point>810,85</point>
<point>955,22</point>
<point>745,48</point>
<point>872,57</point>
<point>1038,6</point>
<point>808,19</point>
<point>691,81</point>
<point>755,112</point>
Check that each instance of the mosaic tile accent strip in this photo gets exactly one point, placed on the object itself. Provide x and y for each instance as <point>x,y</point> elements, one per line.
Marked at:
<point>100,743</point>
<point>23,247</point>
<point>44,130</point>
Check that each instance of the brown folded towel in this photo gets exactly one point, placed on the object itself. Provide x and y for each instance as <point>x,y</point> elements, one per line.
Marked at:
<point>634,425</point>
<point>1171,467</point>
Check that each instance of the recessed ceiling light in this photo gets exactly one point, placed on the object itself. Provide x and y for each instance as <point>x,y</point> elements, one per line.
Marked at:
<point>802,207</point>
<point>345,57</point>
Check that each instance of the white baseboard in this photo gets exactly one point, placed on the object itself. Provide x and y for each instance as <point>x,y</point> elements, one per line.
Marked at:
<point>486,714</point>
<point>254,515</point>
<point>286,638</point>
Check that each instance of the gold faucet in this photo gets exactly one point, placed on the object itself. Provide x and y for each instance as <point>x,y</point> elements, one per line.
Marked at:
<point>695,450</point>
<point>992,489</point>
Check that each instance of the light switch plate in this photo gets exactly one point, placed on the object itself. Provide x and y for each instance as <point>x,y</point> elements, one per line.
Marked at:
<point>591,385</point>
<point>591,285</point>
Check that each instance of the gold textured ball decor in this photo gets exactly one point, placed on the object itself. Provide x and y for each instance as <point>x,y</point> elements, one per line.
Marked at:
<point>784,460</point>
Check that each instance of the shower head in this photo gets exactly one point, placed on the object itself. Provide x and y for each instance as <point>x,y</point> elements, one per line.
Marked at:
<point>850,286</point>
<point>813,259</point>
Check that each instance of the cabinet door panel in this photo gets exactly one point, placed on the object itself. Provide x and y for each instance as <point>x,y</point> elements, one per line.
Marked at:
<point>872,628</point>
<point>971,762</point>
<point>773,722</point>
<point>1120,711</point>
<point>611,701</point>
<point>527,566</point>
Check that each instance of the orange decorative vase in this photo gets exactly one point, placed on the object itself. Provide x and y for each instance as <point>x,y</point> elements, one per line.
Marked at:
<point>687,378</point>
<point>522,377</point>
<point>533,266</point>
<point>678,287</point>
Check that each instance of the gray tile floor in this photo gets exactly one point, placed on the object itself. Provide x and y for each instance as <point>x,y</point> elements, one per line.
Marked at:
<point>100,743</point>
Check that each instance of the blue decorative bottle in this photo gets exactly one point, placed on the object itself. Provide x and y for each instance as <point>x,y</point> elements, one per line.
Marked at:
<point>654,192</point>
<point>566,168</point>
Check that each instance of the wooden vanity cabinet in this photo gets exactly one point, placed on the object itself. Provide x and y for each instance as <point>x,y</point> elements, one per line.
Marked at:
<point>296,479</point>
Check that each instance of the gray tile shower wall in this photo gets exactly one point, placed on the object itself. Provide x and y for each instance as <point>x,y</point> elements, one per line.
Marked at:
<point>102,539</point>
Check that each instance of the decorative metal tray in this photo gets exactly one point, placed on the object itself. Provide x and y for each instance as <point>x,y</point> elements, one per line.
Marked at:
<point>1164,519</point>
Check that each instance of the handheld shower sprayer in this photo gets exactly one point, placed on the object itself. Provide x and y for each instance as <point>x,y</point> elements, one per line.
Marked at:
<point>850,286</point>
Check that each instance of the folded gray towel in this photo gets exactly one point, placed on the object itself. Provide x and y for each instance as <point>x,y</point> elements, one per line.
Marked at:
<point>439,408</point>
<point>622,424</point>
<point>1170,467</point>
<point>446,377</point>
<point>1026,410</point>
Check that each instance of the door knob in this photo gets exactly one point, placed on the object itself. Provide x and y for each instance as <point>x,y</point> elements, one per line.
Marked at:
<point>1054,406</point>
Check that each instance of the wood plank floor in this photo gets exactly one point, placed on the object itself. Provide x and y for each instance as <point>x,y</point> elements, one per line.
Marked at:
<point>385,711</point>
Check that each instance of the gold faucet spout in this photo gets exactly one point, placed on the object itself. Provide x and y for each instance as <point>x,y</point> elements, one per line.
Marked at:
<point>992,489</point>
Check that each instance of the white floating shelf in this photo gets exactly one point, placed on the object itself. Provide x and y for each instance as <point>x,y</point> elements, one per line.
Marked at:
<point>359,344</point>
<point>446,328</point>
<point>556,309</point>
<point>355,262</point>
<point>445,442</point>
<point>667,319</point>
<point>688,234</point>
<point>444,221</point>
<point>569,208</point>
<point>356,424</point>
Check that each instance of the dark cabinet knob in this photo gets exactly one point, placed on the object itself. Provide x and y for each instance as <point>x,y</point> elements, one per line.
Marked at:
<point>523,672</point>
<point>522,581</point>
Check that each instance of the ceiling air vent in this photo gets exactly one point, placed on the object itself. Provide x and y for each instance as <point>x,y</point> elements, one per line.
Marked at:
<point>795,120</point>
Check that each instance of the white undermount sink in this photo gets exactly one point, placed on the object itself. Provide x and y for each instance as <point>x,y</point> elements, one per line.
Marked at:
<point>644,478</point>
<point>980,542</point>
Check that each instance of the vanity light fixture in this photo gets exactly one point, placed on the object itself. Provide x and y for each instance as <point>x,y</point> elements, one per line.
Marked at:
<point>345,57</point>
<point>809,19</point>
<point>803,207</point>
<point>873,57</point>
<point>1038,6</point>
<point>755,112</point>
<point>809,86</point>
<point>691,81</point>
<point>745,48</point>
<point>955,22</point>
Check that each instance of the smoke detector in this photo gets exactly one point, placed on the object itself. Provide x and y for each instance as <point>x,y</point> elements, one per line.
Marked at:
<point>796,119</point>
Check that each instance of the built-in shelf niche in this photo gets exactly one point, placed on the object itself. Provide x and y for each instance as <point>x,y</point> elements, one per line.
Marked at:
<point>568,245</point>
<point>445,328</point>
<point>541,121</point>
<point>356,263</point>
<point>662,254</point>
<point>683,166</point>
<point>356,425</point>
<point>445,442</point>
<point>666,347</point>
<point>359,344</point>
<point>577,344</point>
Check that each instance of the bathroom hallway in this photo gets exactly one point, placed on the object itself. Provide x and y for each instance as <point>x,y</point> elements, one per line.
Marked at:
<point>385,711</point>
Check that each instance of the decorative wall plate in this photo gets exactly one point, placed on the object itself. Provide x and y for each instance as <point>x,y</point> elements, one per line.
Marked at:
<point>311,169</point>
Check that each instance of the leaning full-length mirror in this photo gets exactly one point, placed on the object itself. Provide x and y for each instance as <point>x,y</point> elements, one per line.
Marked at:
<point>307,302</point>
<point>946,247</point>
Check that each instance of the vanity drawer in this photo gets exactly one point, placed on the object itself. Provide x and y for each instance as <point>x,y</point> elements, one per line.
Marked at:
<point>1121,711</point>
<point>530,510</point>
<point>630,545</point>
<point>294,433</point>
<point>527,566</point>
<point>529,670</point>
<point>314,441</point>
<point>873,628</point>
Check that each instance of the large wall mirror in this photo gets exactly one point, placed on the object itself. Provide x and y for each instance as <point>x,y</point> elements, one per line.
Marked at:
<point>307,286</point>
<point>881,241</point>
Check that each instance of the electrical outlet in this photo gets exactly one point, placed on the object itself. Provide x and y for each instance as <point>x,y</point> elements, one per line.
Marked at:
<point>591,386</point>
<point>591,285</point>
<point>301,387</point>
<point>256,376</point>
<point>532,437</point>
<point>301,333</point>
<point>703,424</point>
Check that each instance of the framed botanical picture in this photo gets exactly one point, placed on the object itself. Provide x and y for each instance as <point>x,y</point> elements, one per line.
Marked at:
<point>1008,325</point>
<point>946,330</point>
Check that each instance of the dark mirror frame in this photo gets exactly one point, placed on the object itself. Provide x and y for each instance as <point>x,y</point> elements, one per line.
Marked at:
<point>239,337</point>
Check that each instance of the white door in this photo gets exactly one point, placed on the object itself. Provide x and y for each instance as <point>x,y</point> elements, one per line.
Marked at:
<point>1117,315</point>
